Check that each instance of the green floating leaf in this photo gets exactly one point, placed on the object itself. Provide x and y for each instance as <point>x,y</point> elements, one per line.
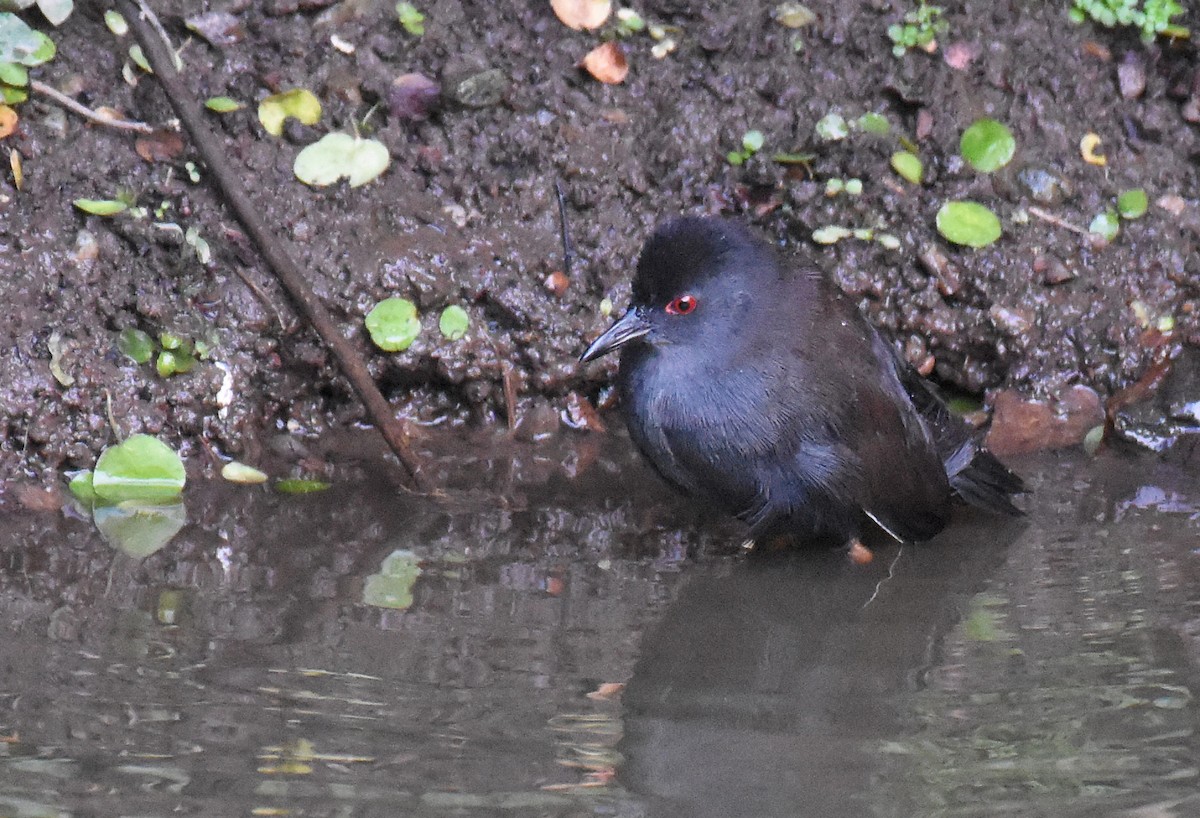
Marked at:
<point>988,145</point>
<point>300,485</point>
<point>392,587</point>
<point>101,207</point>
<point>135,345</point>
<point>454,322</point>
<point>141,468</point>
<point>1105,224</point>
<point>908,166</point>
<point>393,324</point>
<point>299,103</point>
<point>222,105</point>
<point>139,529</point>
<point>338,155</point>
<point>1132,204</point>
<point>968,223</point>
<point>236,472</point>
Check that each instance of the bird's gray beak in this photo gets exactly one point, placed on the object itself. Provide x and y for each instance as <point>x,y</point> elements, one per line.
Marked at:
<point>629,326</point>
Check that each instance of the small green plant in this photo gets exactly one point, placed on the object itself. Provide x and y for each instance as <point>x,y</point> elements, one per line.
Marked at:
<point>629,22</point>
<point>752,142</point>
<point>1151,17</point>
<point>968,223</point>
<point>920,29</point>
<point>908,165</point>
<point>834,186</point>
<point>411,18</point>
<point>988,145</point>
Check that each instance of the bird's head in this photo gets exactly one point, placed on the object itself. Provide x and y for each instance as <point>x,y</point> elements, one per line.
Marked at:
<point>696,280</point>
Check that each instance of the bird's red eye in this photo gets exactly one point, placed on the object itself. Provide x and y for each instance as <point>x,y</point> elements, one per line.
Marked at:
<point>682,305</point>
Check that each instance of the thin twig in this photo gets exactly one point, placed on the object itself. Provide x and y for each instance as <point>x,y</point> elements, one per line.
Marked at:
<point>1055,220</point>
<point>394,430</point>
<point>87,113</point>
<point>568,252</point>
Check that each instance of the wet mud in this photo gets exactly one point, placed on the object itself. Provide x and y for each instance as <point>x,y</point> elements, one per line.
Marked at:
<point>467,212</point>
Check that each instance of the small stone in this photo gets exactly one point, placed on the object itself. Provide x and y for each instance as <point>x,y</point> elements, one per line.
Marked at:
<point>1131,76</point>
<point>478,90</point>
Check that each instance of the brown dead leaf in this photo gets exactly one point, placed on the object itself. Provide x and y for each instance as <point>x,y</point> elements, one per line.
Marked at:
<point>606,62</point>
<point>581,415</point>
<point>8,121</point>
<point>37,498</point>
<point>582,14</point>
<point>160,146</point>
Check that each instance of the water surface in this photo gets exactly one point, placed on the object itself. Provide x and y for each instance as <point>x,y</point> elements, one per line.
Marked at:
<point>364,652</point>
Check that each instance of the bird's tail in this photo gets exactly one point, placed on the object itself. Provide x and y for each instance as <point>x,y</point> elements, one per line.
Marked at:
<point>983,481</point>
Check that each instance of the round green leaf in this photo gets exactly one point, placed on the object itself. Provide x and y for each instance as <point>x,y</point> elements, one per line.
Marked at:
<point>908,166</point>
<point>874,123</point>
<point>988,145</point>
<point>1132,204</point>
<point>298,102</point>
<point>454,322</point>
<point>753,141</point>
<point>339,154</point>
<point>141,468</point>
<point>832,127</point>
<point>394,324</point>
<point>135,345</point>
<point>1105,224</point>
<point>968,223</point>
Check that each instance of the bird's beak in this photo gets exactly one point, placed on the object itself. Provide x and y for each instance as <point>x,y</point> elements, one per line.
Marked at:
<point>629,326</point>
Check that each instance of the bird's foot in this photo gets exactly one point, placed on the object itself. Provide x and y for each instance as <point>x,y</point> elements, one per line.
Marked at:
<point>858,553</point>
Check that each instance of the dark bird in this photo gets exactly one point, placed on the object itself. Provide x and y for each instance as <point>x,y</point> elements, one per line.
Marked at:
<point>756,386</point>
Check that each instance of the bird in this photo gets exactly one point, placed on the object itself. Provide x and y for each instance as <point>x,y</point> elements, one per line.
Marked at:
<point>754,385</point>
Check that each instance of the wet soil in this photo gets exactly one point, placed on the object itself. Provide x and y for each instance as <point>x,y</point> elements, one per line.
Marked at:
<point>577,643</point>
<point>467,214</point>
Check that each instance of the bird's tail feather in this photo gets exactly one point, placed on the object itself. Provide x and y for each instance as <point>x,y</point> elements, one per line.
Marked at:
<point>983,481</point>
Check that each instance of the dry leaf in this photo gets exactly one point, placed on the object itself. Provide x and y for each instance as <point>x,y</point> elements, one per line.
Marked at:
<point>8,121</point>
<point>607,63</point>
<point>582,14</point>
<point>160,146</point>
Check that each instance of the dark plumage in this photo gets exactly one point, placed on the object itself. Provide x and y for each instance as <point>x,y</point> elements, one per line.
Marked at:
<point>757,386</point>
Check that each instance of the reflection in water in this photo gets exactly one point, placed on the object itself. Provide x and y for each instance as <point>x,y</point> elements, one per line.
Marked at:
<point>370,653</point>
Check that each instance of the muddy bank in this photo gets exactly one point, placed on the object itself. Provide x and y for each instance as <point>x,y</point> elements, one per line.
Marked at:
<point>466,214</point>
